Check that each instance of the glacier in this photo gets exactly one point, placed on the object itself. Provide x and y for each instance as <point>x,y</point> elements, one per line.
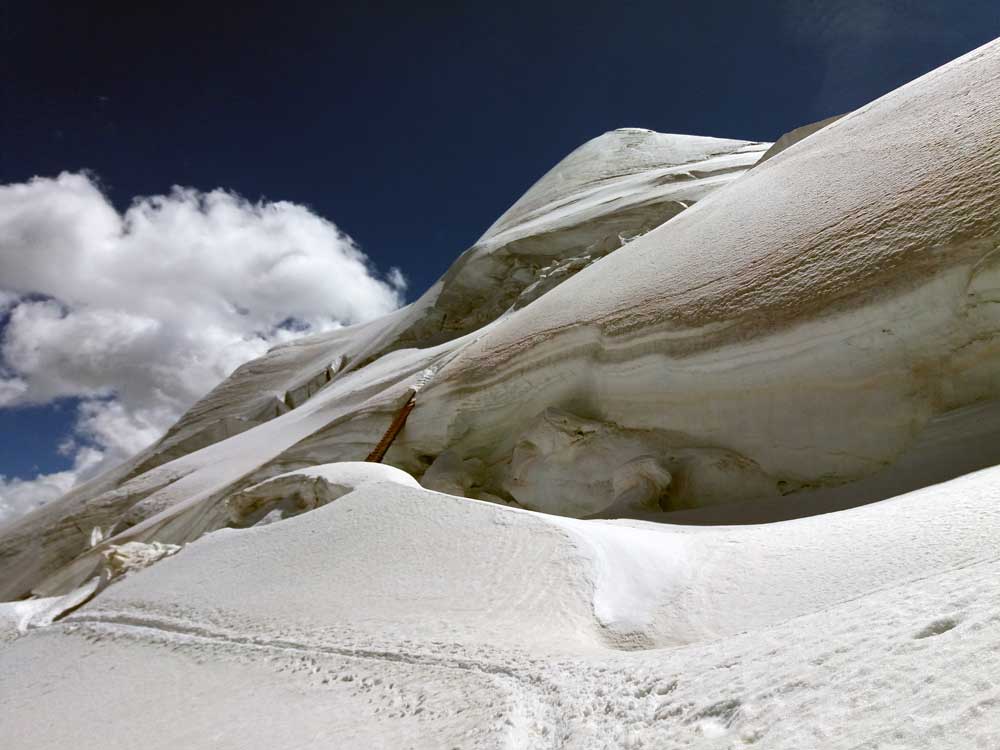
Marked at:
<point>701,456</point>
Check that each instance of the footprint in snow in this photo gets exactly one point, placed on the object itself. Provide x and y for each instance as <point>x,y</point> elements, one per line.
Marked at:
<point>937,627</point>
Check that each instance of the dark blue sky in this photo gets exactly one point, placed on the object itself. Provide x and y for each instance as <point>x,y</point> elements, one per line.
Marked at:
<point>413,128</point>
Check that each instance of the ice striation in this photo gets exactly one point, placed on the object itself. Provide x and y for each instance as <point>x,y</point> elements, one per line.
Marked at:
<point>655,338</point>
<point>612,188</point>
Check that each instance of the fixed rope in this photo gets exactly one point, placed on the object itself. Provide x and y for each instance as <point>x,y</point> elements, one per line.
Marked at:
<point>395,427</point>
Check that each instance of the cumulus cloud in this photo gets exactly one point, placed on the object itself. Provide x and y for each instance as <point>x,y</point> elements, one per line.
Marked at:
<point>18,496</point>
<point>139,314</point>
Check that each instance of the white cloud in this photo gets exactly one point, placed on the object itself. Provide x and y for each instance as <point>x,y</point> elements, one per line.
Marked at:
<point>139,314</point>
<point>18,496</point>
<point>11,390</point>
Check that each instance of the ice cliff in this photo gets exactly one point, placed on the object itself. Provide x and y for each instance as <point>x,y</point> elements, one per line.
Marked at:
<point>331,397</point>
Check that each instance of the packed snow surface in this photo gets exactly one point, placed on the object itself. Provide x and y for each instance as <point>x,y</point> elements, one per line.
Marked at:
<point>400,617</point>
<point>653,332</point>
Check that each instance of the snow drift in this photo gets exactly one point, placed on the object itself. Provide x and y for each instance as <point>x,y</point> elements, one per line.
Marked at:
<point>397,616</point>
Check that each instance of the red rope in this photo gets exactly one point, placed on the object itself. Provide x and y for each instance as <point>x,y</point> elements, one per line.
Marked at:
<point>395,427</point>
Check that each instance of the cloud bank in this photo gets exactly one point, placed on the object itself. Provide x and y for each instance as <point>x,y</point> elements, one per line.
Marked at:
<point>139,314</point>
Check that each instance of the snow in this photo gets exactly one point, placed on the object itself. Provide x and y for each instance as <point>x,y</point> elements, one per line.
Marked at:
<point>794,136</point>
<point>121,559</point>
<point>256,425</point>
<point>396,615</point>
<point>15,616</point>
<point>306,489</point>
<point>812,317</point>
<point>608,361</point>
<point>18,617</point>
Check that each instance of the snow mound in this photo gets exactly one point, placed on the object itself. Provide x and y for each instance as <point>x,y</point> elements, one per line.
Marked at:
<point>300,491</point>
<point>426,620</point>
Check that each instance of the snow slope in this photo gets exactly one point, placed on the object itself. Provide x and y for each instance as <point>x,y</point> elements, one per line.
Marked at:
<point>795,330</point>
<point>794,136</point>
<point>400,617</point>
<point>808,320</point>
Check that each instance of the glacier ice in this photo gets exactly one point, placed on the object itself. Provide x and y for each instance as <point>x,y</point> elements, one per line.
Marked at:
<point>777,334</point>
<point>664,328</point>
<point>617,185</point>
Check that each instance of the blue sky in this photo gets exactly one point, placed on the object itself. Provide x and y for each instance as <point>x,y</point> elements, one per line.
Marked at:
<point>411,128</point>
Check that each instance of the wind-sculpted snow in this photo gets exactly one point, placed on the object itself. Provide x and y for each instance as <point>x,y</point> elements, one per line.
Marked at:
<point>813,334</point>
<point>794,331</point>
<point>794,136</point>
<point>403,616</point>
<point>179,501</point>
<point>611,189</point>
<point>607,192</point>
<point>810,318</point>
<point>301,491</point>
